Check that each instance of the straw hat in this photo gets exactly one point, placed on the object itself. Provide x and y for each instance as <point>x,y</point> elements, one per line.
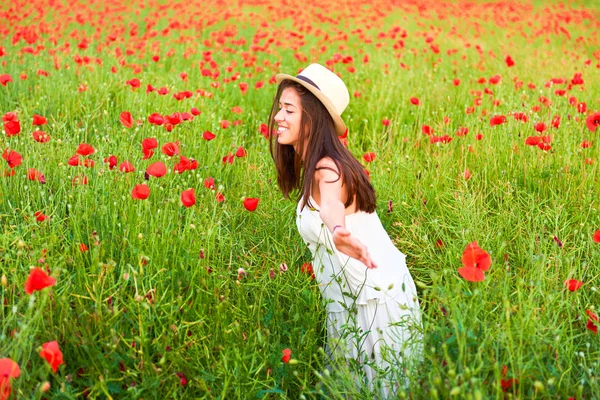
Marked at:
<point>327,87</point>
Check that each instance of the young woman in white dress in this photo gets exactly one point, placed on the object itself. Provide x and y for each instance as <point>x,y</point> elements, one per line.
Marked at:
<point>373,313</point>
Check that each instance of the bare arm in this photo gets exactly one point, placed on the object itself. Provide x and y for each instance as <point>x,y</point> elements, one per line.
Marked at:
<point>333,213</point>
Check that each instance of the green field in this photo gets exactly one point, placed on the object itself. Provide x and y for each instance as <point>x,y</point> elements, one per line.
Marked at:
<point>481,118</point>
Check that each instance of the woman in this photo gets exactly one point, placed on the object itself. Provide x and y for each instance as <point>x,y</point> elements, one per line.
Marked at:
<point>373,313</point>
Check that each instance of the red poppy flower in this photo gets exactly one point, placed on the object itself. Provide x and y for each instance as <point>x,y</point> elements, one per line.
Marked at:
<point>40,217</point>
<point>188,197</point>
<point>52,354</point>
<point>225,124</point>
<point>74,161</point>
<point>157,169</point>
<point>307,269</point>
<point>182,379</point>
<point>209,183</point>
<point>240,152</point>
<point>12,128</point>
<point>573,284</point>
<point>497,120</point>
<point>35,175</point>
<point>195,111</point>
<point>83,247</point>
<point>369,157</point>
<point>415,101</point>
<point>156,119</point>
<point>519,116</point>
<point>39,120</point>
<point>243,87</point>
<point>506,384</point>
<point>147,153</point>
<point>219,196</point>
<point>581,107</point>
<point>540,127</point>
<point>462,131</point>
<point>13,158</point>
<point>494,80</point>
<point>385,122</point>
<point>250,203</point>
<point>456,82</point>
<point>10,116</point>
<point>112,162</point>
<point>592,121</point>
<point>426,129</point>
<point>140,192</point>
<point>577,79</point>
<point>8,370</point>
<point>38,280</point>
<point>228,158</point>
<point>475,261</point>
<point>5,78</point>
<point>134,83</point>
<point>533,140</point>
<point>185,164</point>
<point>596,237</point>
<point>586,144</point>
<point>287,355</point>
<point>544,146</point>
<point>556,121</point>
<point>208,135</point>
<point>171,148</point>
<point>149,143</point>
<point>440,139</point>
<point>126,119</point>
<point>126,166</point>
<point>85,149</point>
<point>264,130</point>
<point>79,180</point>
<point>509,61</point>
<point>40,136</point>
<point>593,321</point>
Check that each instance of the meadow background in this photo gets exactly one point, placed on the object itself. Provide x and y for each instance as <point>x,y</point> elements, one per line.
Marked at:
<point>155,298</point>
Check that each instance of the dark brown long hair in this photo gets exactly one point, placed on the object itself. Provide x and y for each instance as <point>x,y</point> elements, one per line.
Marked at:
<point>317,140</point>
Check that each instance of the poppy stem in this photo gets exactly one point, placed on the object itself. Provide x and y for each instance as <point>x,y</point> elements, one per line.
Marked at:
<point>585,273</point>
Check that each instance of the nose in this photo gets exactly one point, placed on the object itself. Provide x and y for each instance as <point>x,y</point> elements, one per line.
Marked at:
<point>280,116</point>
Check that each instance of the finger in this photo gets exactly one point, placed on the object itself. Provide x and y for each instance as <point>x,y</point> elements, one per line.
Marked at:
<point>371,263</point>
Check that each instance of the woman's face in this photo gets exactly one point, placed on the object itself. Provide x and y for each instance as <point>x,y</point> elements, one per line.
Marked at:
<point>288,118</point>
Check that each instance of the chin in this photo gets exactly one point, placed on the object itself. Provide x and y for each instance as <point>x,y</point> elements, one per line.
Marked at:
<point>282,140</point>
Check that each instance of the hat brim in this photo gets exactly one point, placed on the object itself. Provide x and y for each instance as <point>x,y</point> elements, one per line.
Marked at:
<point>340,126</point>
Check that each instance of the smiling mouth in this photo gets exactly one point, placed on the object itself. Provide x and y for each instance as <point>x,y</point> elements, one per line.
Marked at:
<point>281,129</point>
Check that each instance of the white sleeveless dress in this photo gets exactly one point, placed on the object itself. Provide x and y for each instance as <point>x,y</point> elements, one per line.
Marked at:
<point>373,314</point>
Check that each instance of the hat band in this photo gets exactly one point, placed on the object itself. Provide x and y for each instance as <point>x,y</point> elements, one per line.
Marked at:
<point>305,79</point>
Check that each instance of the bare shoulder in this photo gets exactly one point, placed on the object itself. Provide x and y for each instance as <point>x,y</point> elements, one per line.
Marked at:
<point>328,164</point>
<point>326,169</point>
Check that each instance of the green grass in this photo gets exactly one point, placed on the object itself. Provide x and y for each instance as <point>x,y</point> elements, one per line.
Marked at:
<point>158,292</point>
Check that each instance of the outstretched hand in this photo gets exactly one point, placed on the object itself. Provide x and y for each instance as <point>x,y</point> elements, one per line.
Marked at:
<point>351,246</point>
